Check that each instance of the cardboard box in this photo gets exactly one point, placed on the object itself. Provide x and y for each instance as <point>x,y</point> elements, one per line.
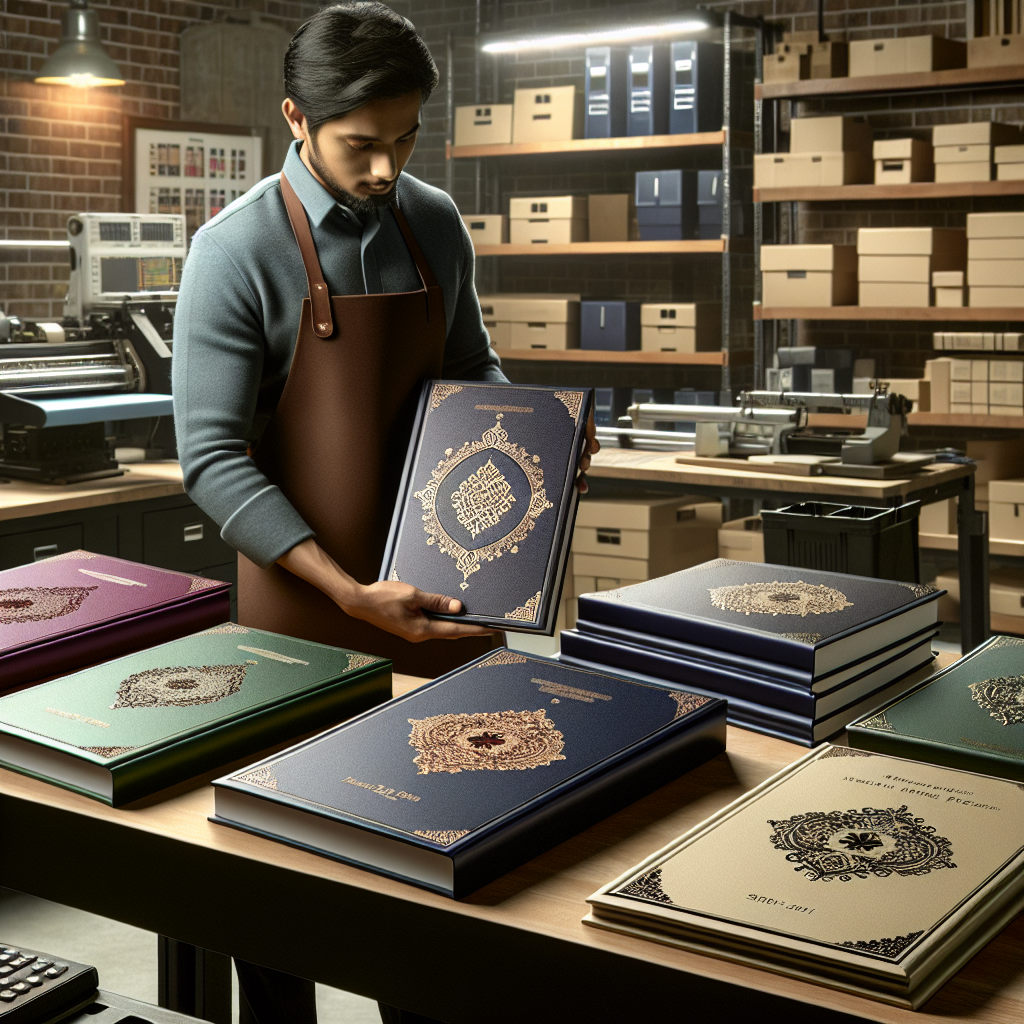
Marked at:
<point>980,171</point>
<point>548,230</point>
<point>1005,595</point>
<point>979,369</point>
<point>641,513</point>
<point>1010,370</point>
<point>946,244</point>
<point>947,279</point>
<point>808,288</point>
<point>742,540</point>
<point>786,67</point>
<point>1006,509</point>
<point>549,306</point>
<point>500,333</point>
<point>830,60</point>
<point>487,125</point>
<point>667,339</point>
<point>791,46</point>
<point>1006,224</point>
<point>1010,172</point>
<point>937,371</point>
<point>991,297</point>
<point>914,388</point>
<point>562,207</point>
<point>809,35</point>
<point>1007,394</point>
<point>950,298</point>
<point>612,218</point>
<point>800,170</point>
<point>977,153</point>
<point>960,394</point>
<point>962,369</point>
<point>899,149</point>
<point>1005,273</point>
<point>547,115</point>
<point>905,55</point>
<point>901,161</point>
<point>829,135</point>
<point>706,317</point>
<point>487,228</point>
<point>975,133</point>
<point>839,258</point>
<point>995,249</point>
<point>995,51</point>
<point>542,334</point>
<point>996,460</point>
<point>1008,154</point>
<point>894,294</point>
<point>938,518</point>
<point>598,584</point>
<point>916,269</point>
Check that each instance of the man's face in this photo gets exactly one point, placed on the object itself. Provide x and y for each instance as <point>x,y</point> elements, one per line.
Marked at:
<point>359,157</point>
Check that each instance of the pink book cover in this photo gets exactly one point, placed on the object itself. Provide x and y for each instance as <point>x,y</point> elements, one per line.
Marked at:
<point>63,613</point>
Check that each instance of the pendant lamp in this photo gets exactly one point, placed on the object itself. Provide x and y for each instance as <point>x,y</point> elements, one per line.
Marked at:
<point>79,59</point>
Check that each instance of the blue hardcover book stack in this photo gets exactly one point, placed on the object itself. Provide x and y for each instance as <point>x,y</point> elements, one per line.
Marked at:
<point>666,205</point>
<point>797,653</point>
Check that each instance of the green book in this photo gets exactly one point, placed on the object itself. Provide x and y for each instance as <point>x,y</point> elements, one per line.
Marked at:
<point>968,716</point>
<point>127,728</point>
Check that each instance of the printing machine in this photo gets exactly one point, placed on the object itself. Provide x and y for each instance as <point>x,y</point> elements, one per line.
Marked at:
<point>69,390</point>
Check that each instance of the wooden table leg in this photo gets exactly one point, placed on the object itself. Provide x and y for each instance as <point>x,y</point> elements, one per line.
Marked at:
<point>194,980</point>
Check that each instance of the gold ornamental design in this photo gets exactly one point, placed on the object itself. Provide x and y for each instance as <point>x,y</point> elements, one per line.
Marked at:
<point>1002,698</point>
<point>572,400</point>
<point>38,604</point>
<point>361,661</point>
<point>686,702</point>
<point>181,687</point>
<point>443,838</point>
<point>70,556</point>
<point>442,391</point>
<point>503,657</point>
<point>262,777</point>
<point>526,612</point>
<point>469,561</point>
<point>482,499</point>
<point>108,752</point>
<point>197,583</point>
<point>777,598</point>
<point>488,741</point>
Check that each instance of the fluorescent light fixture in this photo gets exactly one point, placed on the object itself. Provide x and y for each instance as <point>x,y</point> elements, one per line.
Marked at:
<point>13,243</point>
<point>80,60</point>
<point>565,40</point>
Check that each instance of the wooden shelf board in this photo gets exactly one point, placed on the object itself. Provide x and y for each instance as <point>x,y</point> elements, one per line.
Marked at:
<point>953,78</point>
<point>924,313</point>
<point>711,245</point>
<point>618,145</point>
<point>961,419</point>
<point>915,190</point>
<point>948,542</point>
<point>586,355</point>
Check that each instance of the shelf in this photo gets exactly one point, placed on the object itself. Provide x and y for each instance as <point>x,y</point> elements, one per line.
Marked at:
<point>949,541</point>
<point>919,81</point>
<point>963,419</point>
<point>619,145</point>
<point>711,245</point>
<point>937,314</point>
<point>586,355</point>
<point>915,190</point>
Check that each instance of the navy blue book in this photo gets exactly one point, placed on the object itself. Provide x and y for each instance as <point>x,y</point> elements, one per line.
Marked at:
<point>488,499</point>
<point>815,621</point>
<point>596,654</point>
<point>471,775</point>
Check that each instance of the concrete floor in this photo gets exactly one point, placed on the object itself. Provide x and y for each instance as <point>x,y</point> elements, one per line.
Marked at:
<point>126,957</point>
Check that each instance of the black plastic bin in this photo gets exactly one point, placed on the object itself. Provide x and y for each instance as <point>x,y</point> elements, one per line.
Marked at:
<point>877,542</point>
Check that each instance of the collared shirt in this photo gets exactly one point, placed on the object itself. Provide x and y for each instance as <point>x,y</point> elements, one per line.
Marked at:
<point>238,313</point>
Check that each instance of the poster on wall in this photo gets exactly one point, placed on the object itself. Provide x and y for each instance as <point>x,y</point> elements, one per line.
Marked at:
<point>192,169</point>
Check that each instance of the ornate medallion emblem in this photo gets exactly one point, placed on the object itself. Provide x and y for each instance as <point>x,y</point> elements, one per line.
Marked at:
<point>779,599</point>
<point>1002,698</point>
<point>179,687</point>
<point>442,838</point>
<point>647,887</point>
<point>845,844</point>
<point>37,604</point>
<point>482,500</point>
<point>496,741</point>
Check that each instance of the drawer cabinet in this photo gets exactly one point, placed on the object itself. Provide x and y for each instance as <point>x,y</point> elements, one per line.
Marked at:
<point>19,548</point>
<point>182,538</point>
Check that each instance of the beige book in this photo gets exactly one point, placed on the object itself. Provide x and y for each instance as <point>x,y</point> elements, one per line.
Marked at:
<point>859,871</point>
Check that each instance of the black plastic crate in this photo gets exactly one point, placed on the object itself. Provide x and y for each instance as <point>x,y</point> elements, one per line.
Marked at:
<point>878,542</point>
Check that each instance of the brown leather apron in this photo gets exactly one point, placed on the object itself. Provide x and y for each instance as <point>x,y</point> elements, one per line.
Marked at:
<point>336,447</point>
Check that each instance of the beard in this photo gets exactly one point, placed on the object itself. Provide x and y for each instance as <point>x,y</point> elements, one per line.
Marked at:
<point>357,204</point>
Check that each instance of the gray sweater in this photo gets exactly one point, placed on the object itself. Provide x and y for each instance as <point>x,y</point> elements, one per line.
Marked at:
<point>237,316</point>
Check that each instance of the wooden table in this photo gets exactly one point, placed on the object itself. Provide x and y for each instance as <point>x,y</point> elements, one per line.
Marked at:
<point>515,950</point>
<point>679,473</point>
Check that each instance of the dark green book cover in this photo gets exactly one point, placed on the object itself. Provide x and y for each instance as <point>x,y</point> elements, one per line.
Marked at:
<point>968,716</point>
<point>127,728</point>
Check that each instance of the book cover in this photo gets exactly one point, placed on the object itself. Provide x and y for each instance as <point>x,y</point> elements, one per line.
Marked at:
<point>60,613</point>
<point>461,780</point>
<point>968,716</point>
<point>812,620</point>
<point>127,728</point>
<point>850,869</point>
<point>488,499</point>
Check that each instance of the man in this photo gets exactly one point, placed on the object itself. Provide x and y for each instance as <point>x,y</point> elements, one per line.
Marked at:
<point>310,311</point>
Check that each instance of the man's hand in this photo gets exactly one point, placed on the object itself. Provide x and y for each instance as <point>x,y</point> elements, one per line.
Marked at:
<point>394,607</point>
<point>593,446</point>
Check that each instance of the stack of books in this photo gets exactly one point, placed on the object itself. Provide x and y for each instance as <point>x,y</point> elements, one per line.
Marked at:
<point>797,653</point>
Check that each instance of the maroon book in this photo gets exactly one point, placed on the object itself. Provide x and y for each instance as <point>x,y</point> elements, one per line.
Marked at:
<point>63,613</point>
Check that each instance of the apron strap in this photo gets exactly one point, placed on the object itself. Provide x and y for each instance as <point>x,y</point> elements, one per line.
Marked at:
<point>319,296</point>
<point>422,266</point>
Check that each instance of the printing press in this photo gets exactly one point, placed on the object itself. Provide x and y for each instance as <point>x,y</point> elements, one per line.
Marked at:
<point>72,391</point>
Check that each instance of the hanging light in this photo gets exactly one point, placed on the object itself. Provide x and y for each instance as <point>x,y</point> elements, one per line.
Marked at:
<point>79,59</point>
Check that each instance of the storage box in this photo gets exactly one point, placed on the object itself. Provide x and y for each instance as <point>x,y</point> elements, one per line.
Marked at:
<point>975,133</point>
<point>546,115</point>
<point>487,228</point>
<point>612,218</point>
<point>610,326</point>
<point>799,170</point>
<point>546,335</point>
<point>1005,595</point>
<point>995,51</point>
<point>948,279</point>
<point>973,154</point>
<point>1006,509</point>
<point>680,327</point>
<point>991,297</point>
<point>786,67</point>
<point>1008,154</point>
<point>979,171</point>
<point>1011,370</point>
<point>905,55</point>
<point>950,298</point>
<point>1006,394</point>
<point>916,269</point>
<point>829,60</point>
<point>996,460</point>
<point>548,230</point>
<point>523,306</point>
<point>1010,172</point>
<point>742,540</point>
<point>938,371</point>
<point>995,249</point>
<point>1006,224</point>
<point>808,275</point>
<point>938,518</point>
<point>562,207</point>
<point>1004,273</point>
<point>893,294</point>
<point>597,584</point>
<point>829,135</point>
<point>483,125</point>
<point>668,339</point>
<point>901,161</point>
<point>916,389</point>
<point>946,244</point>
<point>500,332</point>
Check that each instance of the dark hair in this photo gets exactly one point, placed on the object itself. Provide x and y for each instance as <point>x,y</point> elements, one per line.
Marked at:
<point>351,53</point>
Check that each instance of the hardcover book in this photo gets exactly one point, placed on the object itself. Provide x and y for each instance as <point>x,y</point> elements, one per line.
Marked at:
<point>74,609</point>
<point>815,621</point>
<point>968,716</point>
<point>849,869</point>
<point>749,711</point>
<point>488,499</point>
<point>127,728</point>
<point>473,774</point>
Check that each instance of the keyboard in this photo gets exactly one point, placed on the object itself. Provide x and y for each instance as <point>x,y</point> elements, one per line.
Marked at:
<point>39,987</point>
